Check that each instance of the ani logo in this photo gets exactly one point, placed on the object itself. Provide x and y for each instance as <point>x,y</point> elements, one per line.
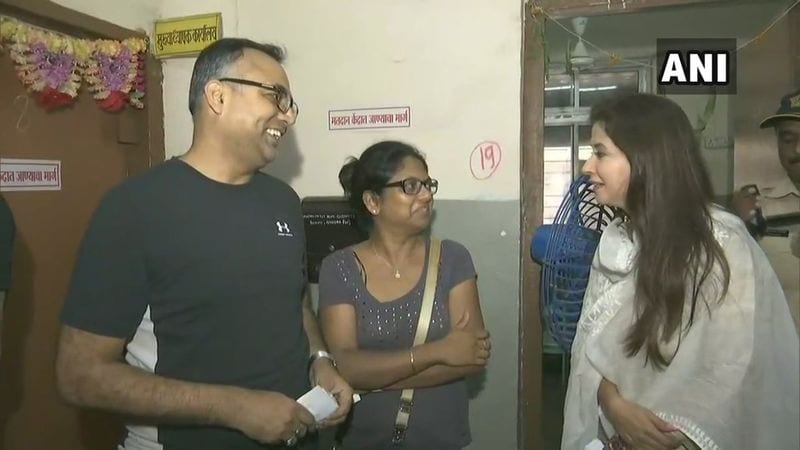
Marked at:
<point>696,66</point>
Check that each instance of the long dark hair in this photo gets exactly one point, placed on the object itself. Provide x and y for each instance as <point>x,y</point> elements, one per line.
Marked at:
<point>667,207</point>
<point>371,171</point>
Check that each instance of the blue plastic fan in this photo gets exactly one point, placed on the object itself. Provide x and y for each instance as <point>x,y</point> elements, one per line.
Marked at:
<point>565,250</point>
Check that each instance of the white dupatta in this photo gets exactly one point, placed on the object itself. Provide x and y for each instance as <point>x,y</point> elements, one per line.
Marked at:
<point>734,382</point>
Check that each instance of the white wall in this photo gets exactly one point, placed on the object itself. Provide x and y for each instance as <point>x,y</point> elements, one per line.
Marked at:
<point>456,64</point>
<point>135,14</point>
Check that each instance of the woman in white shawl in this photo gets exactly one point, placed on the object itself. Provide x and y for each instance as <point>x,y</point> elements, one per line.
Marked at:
<point>685,336</point>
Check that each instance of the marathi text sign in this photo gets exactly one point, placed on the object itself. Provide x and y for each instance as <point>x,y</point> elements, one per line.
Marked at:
<point>30,175</point>
<point>352,119</point>
<point>186,36</point>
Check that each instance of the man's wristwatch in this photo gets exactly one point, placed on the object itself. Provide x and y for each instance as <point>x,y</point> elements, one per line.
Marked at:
<point>321,354</point>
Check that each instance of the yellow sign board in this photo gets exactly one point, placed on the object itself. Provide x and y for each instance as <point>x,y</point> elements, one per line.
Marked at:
<point>185,36</point>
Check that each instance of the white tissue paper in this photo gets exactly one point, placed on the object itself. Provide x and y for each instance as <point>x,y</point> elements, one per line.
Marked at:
<point>319,402</point>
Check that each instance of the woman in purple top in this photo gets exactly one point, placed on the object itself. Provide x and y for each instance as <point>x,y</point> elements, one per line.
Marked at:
<point>370,300</point>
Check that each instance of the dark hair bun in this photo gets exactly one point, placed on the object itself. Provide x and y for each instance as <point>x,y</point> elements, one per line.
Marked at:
<point>348,173</point>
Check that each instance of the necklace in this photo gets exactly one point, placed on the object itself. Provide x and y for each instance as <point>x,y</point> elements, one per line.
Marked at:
<point>386,261</point>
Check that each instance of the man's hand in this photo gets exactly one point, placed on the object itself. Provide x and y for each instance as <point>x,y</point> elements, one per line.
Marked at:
<point>268,417</point>
<point>325,375</point>
<point>744,203</point>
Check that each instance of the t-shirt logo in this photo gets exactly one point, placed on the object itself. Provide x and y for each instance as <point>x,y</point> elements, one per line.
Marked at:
<point>283,229</point>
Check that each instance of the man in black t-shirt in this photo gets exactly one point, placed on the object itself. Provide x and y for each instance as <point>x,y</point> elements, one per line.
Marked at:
<point>194,272</point>
<point>7,231</point>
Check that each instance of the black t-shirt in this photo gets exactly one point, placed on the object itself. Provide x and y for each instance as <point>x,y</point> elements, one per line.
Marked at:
<point>206,281</point>
<point>7,231</point>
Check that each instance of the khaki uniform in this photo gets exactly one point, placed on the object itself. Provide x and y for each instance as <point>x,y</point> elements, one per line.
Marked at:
<point>784,253</point>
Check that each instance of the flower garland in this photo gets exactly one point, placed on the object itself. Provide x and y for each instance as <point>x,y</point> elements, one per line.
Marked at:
<point>115,73</point>
<point>52,66</point>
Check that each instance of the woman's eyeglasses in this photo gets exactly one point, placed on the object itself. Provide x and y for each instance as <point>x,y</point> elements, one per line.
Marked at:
<point>412,186</point>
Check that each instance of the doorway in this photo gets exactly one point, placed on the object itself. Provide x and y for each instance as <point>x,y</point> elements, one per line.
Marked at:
<point>556,101</point>
<point>96,150</point>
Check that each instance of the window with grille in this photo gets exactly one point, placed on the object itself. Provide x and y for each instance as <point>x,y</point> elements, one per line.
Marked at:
<point>568,99</point>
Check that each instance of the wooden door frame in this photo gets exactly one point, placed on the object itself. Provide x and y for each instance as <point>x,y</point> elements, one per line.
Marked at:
<point>529,409</point>
<point>47,14</point>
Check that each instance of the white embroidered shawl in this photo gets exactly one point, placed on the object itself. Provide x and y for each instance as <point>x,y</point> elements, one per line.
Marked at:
<point>733,384</point>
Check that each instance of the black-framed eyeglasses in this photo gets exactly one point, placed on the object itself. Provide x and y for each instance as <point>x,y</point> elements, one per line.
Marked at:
<point>412,186</point>
<point>284,100</point>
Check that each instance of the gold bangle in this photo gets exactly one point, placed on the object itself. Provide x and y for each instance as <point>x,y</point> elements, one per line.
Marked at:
<point>411,354</point>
